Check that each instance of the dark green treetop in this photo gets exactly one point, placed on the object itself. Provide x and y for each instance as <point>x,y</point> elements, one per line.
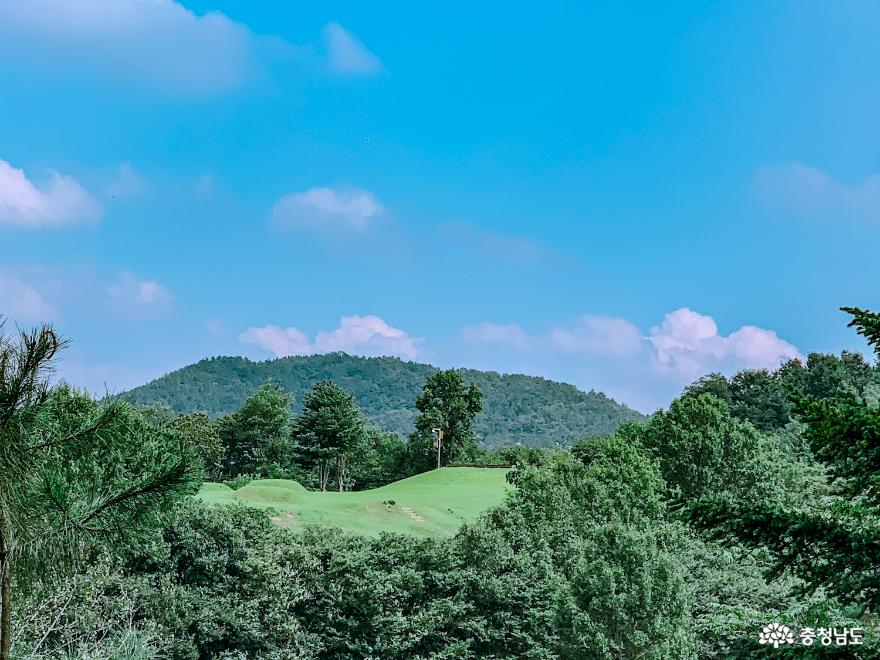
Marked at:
<point>448,404</point>
<point>832,543</point>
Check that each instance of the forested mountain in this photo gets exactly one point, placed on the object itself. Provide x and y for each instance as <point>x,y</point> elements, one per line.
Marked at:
<point>518,409</point>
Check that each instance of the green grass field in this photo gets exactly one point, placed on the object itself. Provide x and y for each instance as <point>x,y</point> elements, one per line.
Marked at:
<point>434,503</point>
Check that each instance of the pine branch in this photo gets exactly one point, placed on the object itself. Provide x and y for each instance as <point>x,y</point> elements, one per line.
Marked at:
<point>867,324</point>
<point>107,416</point>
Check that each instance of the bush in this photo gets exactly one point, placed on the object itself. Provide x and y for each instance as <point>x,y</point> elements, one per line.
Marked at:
<point>238,481</point>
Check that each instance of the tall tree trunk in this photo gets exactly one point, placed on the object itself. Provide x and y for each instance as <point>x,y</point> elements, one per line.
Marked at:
<point>5,601</point>
<point>324,468</point>
<point>341,468</point>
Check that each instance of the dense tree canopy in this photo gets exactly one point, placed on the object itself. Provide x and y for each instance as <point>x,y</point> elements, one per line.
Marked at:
<point>702,448</point>
<point>752,499</point>
<point>832,543</point>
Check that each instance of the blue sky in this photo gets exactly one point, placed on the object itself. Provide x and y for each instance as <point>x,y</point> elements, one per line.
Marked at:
<point>621,197</point>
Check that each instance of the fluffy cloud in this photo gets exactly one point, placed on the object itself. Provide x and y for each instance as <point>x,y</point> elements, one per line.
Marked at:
<point>280,341</point>
<point>685,344</point>
<point>491,333</point>
<point>21,302</point>
<point>810,191</point>
<point>139,298</point>
<point>346,54</point>
<point>160,43</point>
<point>59,201</point>
<point>366,335</point>
<point>358,335</point>
<point>328,209</point>
<point>612,354</point>
<point>599,335</point>
<point>688,344</point>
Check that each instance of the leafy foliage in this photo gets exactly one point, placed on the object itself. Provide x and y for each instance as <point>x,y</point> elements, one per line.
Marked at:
<point>702,448</point>
<point>330,433</point>
<point>446,404</point>
<point>832,543</point>
<point>579,549</point>
<point>73,473</point>
<point>256,437</point>
<point>766,398</point>
<point>752,499</point>
<point>202,433</point>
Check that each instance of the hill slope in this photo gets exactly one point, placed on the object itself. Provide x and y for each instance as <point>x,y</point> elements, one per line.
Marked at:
<point>434,503</point>
<point>518,409</point>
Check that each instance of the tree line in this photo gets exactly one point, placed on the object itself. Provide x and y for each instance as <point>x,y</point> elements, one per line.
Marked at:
<point>330,444</point>
<point>749,500</point>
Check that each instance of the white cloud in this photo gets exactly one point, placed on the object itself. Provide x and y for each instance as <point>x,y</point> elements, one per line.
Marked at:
<point>599,335</point>
<point>614,355</point>
<point>59,201</point>
<point>21,302</point>
<point>366,335</point>
<point>358,335</point>
<point>280,341</point>
<point>139,298</point>
<point>346,54</point>
<point>328,209</point>
<point>810,191</point>
<point>492,333</point>
<point>688,344</point>
<point>159,42</point>
<point>756,348</point>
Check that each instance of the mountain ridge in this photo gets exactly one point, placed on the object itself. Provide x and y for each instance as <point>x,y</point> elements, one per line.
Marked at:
<point>519,409</point>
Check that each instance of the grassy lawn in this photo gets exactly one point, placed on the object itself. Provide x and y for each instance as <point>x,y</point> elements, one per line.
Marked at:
<point>434,503</point>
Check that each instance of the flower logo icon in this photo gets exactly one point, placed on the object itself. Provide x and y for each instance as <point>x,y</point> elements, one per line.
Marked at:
<point>776,634</point>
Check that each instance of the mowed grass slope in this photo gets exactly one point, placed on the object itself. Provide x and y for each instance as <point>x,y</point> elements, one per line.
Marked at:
<point>434,503</point>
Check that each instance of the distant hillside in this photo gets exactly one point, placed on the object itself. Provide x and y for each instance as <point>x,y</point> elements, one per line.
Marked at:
<point>525,409</point>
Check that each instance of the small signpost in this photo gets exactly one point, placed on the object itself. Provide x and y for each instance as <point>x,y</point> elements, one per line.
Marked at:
<point>437,432</point>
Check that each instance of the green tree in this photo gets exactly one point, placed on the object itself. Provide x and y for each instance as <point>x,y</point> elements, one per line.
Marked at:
<point>256,436</point>
<point>71,471</point>
<point>701,447</point>
<point>832,543</point>
<point>593,533</point>
<point>382,461</point>
<point>825,375</point>
<point>202,434</point>
<point>756,395</point>
<point>759,397</point>
<point>712,383</point>
<point>448,404</point>
<point>330,432</point>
